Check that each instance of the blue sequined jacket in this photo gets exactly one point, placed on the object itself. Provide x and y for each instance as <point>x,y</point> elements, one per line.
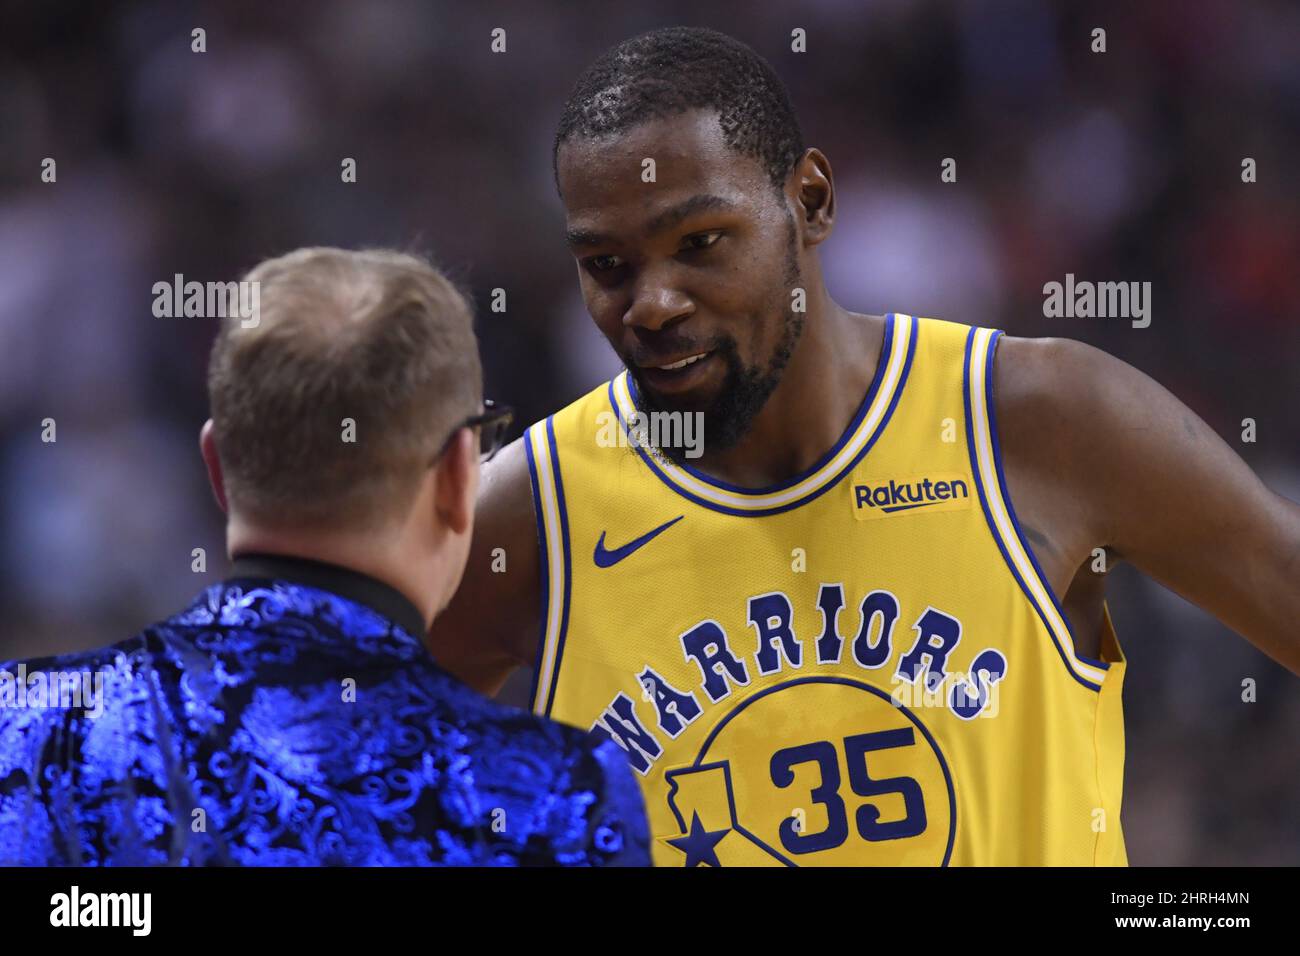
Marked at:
<point>275,723</point>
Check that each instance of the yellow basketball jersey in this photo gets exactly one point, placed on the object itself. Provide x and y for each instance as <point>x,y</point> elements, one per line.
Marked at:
<point>863,665</point>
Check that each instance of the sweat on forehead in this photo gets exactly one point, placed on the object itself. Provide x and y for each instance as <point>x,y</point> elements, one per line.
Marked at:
<point>693,171</point>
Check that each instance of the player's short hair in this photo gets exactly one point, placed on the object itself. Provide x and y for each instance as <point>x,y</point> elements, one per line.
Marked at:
<point>677,69</point>
<point>381,338</point>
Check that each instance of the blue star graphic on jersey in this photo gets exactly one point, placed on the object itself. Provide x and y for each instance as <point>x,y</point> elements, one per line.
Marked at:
<point>698,845</point>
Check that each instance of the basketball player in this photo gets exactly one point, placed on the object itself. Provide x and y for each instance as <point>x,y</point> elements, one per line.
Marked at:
<point>864,626</point>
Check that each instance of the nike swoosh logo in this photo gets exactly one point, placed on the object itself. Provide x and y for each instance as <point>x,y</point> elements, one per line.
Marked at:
<point>607,559</point>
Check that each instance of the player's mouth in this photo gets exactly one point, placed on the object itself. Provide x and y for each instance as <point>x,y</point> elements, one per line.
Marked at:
<point>680,374</point>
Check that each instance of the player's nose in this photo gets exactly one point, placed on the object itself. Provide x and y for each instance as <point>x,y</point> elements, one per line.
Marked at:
<point>657,306</point>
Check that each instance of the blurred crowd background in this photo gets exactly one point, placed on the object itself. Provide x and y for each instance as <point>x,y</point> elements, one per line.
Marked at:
<point>1115,166</point>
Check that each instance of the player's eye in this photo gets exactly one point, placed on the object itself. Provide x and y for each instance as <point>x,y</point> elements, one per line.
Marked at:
<point>604,263</point>
<point>701,240</point>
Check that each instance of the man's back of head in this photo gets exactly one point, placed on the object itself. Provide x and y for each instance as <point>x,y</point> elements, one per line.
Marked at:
<point>331,408</point>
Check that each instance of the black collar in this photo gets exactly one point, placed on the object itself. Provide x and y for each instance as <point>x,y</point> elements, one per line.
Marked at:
<point>344,582</point>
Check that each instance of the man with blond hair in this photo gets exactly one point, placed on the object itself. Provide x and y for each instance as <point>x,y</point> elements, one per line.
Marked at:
<point>291,715</point>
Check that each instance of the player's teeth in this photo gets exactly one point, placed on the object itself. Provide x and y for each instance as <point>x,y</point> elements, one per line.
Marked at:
<point>683,363</point>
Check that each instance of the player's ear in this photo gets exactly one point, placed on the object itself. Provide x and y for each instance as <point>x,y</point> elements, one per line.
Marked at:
<point>208,448</point>
<point>814,188</point>
<point>456,482</point>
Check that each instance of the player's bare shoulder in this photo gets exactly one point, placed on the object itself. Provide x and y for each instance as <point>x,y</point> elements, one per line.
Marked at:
<point>1073,418</point>
<point>1046,392</point>
<point>1048,419</point>
<point>1100,452</point>
<point>491,625</point>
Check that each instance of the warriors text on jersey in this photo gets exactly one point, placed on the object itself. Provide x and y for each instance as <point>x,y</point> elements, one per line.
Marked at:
<point>862,665</point>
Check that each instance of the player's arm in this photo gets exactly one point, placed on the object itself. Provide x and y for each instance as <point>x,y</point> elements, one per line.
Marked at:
<point>1147,479</point>
<point>491,625</point>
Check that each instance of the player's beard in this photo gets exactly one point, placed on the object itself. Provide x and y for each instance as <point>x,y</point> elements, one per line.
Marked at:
<point>745,388</point>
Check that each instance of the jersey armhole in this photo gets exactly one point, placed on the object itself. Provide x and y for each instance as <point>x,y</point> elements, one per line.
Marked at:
<point>995,499</point>
<point>552,518</point>
<point>1111,651</point>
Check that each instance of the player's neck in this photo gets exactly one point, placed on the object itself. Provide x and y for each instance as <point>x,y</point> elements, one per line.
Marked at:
<point>820,391</point>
